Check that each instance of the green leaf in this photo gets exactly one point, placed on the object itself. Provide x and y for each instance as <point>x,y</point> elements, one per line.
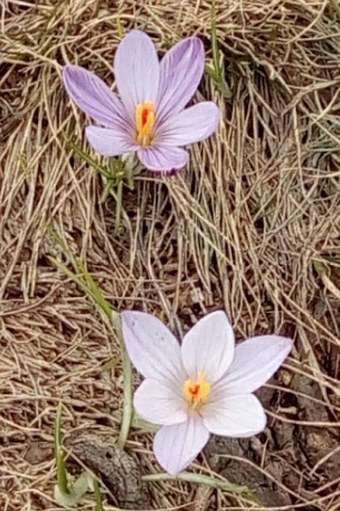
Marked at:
<point>78,490</point>
<point>192,477</point>
<point>62,478</point>
<point>98,495</point>
<point>109,365</point>
<point>86,157</point>
<point>217,72</point>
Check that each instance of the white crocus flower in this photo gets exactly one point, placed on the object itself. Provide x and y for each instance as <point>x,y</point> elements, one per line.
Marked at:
<point>205,385</point>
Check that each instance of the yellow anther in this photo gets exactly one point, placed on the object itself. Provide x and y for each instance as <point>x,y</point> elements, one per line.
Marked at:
<point>196,392</point>
<point>145,122</point>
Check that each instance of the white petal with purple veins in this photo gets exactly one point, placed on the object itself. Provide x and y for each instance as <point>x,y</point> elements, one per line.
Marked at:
<point>235,416</point>
<point>163,158</point>
<point>181,71</point>
<point>177,446</point>
<point>208,347</point>
<point>153,349</point>
<point>255,361</point>
<point>136,68</point>
<point>94,97</point>
<point>160,403</point>
<point>191,125</point>
<point>109,141</point>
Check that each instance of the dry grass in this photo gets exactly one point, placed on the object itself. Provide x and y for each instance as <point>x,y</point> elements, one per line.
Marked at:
<point>251,226</point>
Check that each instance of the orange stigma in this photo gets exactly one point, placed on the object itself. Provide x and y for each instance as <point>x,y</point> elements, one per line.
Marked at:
<point>197,392</point>
<point>145,122</point>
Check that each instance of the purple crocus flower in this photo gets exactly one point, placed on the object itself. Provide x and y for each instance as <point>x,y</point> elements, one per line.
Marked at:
<point>204,386</point>
<point>149,117</point>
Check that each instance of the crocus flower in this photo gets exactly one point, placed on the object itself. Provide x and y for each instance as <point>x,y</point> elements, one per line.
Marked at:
<point>204,386</point>
<point>148,116</point>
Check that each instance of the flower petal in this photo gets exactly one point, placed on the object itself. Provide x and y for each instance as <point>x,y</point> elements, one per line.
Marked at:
<point>94,97</point>
<point>177,446</point>
<point>235,416</point>
<point>163,158</point>
<point>109,141</point>
<point>191,125</point>
<point>136,68</point>
<point>158,403</point>
<point>153,349</point>
<point>255,361</point>
<point>209,347</point>
<point>181,71</point>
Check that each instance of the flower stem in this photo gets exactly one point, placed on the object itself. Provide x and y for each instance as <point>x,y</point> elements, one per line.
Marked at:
<point>59,455</point>
<point>85,280</point>
<point>97,495</point>
<point>218,72</point>
<point>119,198</point>
<point>127,370</point>
<point>129,168</point>
<point>199,479</point>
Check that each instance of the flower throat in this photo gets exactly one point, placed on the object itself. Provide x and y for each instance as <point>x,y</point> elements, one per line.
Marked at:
<point>196,392</point>
<point>145,122</point>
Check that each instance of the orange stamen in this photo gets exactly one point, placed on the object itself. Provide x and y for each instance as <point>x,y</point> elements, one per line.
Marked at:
<point>196,392</point>
<point>145,122</point>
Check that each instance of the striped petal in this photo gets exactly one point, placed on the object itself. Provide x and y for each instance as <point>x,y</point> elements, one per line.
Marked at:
<point>235,416</point>
<point>153,349</point>
<point>163,158</point>
<point>191,125</point>
<point>136,69</point>
<point>109,141</point>
<point>160,402</point>
<point>255,361</point>
<point>181,70</point>
<point>94,97</point>
<point>177,446</point>
<point>208,347</point>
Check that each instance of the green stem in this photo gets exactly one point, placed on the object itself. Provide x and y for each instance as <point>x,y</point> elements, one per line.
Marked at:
<point>198,479</point>
<point>129,178</point>
<point>88,284</point>
<point>88,159</point>
<point>336,6</point>
<point>59,455</point>
<point>127,370</point>
<point>107,190</point>
<point>119,199</point>
<point>218,71</point>
<point>127,406</point>
<point>97,495</point>
<point>129,164</point>
<point>214,44</point>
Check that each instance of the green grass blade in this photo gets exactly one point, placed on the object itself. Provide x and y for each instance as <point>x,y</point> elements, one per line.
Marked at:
<point>217,72</point>
<point>62,480</point>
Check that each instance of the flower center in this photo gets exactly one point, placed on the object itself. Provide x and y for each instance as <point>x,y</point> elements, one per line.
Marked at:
<point>145,122</point>
<point>196,392</point>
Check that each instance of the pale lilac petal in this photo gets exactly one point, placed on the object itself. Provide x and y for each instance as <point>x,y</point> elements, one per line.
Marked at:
<point>177,446</point>
<point>208,347</point>
<point>235,416</point>
<point>163,158</point>
<point>94,97</point>
<point>158,403</point>
<point>191,125</point>
<point>136,68</point>
<point>255,361</point>
<point>181,71</point>
<point>109,141</point>
<point>153,349</point>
